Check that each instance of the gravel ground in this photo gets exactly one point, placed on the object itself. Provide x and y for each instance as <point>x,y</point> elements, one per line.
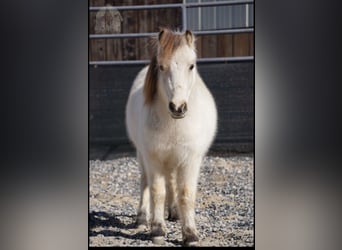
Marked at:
<point>224,208</point>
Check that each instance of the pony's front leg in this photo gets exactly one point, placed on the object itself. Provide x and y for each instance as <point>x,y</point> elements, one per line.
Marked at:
<point>144,206</point>
<point>172,196</point>
<point>158,193</point>
<point>187,188</point>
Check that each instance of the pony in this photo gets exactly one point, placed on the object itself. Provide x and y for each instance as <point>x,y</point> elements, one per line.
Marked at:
<point>171,119</point>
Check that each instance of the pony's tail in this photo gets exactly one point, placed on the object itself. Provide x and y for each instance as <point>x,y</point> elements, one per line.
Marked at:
<point>150,86</point>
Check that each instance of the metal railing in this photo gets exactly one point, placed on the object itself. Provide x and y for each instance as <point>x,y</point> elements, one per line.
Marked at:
<point>183,6</point>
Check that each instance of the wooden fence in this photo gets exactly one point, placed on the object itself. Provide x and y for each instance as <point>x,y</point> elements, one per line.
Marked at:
<point>136,21</point>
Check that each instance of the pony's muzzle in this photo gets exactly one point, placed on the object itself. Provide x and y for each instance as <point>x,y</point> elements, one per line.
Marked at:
<point>178,112</point>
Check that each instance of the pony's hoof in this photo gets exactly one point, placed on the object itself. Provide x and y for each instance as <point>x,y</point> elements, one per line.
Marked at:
<point>141,227</point>
<point>191,244</point>
<point>141,221</point>
<point>157,229</point>
<point>158,233</point>
<point>173,215</point>
<point>190,238</point>
<point>158,240</point>
<point>172,218</point>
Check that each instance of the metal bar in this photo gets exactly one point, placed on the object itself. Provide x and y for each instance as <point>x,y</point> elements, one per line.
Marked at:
<point>179,5</point>
<point>247,20</point>
<point>225,59</point>
<point>199,60</point>
<point>136,7</point>
<point>184,16</point>
<point>214,17</point>
<point>199,17</point>
<point>223,31</point>
<point>201,32</point>
<point>129,62</point>
<point>214,3</point>
<point>125,35</point>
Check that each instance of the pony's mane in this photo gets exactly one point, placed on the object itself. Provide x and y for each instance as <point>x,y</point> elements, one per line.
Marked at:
<point>161,49</point>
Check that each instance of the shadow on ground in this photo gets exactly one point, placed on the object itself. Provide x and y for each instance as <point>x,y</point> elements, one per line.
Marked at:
<point>105,220</point>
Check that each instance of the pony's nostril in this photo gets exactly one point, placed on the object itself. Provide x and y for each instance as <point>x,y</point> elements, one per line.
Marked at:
<point>182,109</point>
<point>177,110</point>
<point>172,107</point>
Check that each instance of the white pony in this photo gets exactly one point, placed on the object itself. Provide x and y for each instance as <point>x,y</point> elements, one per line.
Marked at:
<point>171,119</point>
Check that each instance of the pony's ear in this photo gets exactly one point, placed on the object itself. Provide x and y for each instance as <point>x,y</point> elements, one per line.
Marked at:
<point>161,33</point>
<point>190,39</point>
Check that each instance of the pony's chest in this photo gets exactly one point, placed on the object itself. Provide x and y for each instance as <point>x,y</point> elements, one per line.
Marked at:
<point>169,135</point>
<point>165,134</point>
<point>168,146</point>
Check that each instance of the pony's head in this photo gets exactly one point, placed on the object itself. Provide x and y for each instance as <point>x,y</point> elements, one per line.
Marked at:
<point>174,64</point>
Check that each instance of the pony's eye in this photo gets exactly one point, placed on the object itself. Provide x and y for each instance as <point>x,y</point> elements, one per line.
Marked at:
<point>161,67</point>
<point>191,66</point>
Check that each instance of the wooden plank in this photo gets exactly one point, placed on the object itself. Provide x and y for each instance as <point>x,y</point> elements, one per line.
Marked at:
<point>97,3</point>
<point>98,46</point>
<point>241,44</point>
<point>209,46</point>
<point>129,26</point>
<point>91,31</point>
<point>224,45</point>
<point>114,46</point>
<point>144,25</point>
<point>251,44</point>
<point>113,21</point>
<point>98,49</point>
<point>199,46</point>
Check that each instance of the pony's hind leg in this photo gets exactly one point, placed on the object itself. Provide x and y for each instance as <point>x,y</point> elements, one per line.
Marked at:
<point>144,206</point>
<point>172,197</point>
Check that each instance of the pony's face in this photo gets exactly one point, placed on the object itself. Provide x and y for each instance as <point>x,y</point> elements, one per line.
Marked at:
<point>177,74</point>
